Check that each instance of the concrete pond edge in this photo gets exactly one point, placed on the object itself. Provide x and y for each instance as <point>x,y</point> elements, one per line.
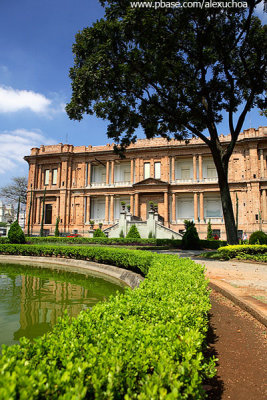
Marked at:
<point>128,278</point>
<point>245,305</point>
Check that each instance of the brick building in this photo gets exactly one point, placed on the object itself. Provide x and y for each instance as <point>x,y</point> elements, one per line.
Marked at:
<point>86,183</point>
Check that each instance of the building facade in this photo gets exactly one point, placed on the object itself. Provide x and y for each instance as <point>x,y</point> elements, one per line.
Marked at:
<point>83,183</point>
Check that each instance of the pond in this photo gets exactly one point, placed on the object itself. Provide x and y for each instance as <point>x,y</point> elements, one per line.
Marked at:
<point>33,297</point>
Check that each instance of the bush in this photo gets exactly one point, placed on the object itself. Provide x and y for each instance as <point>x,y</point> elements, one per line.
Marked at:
<point>98,233</point>
<point>248,252</point>
<point>258,237</point>
<point>133,233</point>
<point>147,343</point>
<point>15,233</point>
<point>190,238</point>
<point>56,229</point>
<point>209,232</point>
<point>121,234</point>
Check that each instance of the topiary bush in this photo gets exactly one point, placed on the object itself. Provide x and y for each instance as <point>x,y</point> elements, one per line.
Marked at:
<point>56,229</point>
<point>190,238</point>
<point>133,233</point>
<point>15,233</point>
<point>258,237</point>
<point>209,231</point>
<point>98,233</point>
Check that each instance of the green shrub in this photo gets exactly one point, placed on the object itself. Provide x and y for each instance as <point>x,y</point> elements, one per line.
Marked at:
<point>98,233</point>
<point>258,237</point>
<point>56,229</point>
<point>15,233</point>
<point>243,251</point>
<point>121,234</point>
<point>212,244</point>
<point>209,232</point>
<point>147,343</point>
<point>133,233</point>
<point>190,238</point>
<point>4,240</point>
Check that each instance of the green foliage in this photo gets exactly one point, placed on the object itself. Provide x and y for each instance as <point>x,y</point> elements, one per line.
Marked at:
<point>147,343</point>
<point>4,240</point>
<point>247,252</point>
<point>98,233</point>
<point>56,229</point>
<point>133,233</point>
<point>190,238</point>
<point>15,233</point>
<point>209,232</point>
<point>258,237</point>
<point>212,244</point>
<point>121,234</point>
<point>150,235</point>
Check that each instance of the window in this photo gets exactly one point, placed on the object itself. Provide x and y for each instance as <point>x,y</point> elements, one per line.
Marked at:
<point>185,173</point>
<point>127,176</point>
<point>54,176</point>
<point>146,170</point>
<point>211,171</point>
<point>157,174</point>
<point>48,214</point>
<point>46,180</point>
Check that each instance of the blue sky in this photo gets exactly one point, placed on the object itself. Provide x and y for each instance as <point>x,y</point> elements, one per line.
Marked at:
<point>36,38</point>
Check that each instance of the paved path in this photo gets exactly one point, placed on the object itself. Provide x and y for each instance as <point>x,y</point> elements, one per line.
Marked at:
<point>243,282</point>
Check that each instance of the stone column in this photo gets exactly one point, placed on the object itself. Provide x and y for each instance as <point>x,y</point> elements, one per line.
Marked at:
<point>89,173</point>
<point>39,183</point>
<point>195,207</point>
<point>107,173</point>
<point>132,203</point>
<point>201,206</point>
<point>173,208</point>
<point>194,167</point>
<point>132,171</point>
<point>200,167</point>
<point>38,211</point>
<point>106,209</point>
<point>112,172</point>
<point>173,169</point>
<point>136,204</point>
<point>166,209</point>
<point>88,210</point>
<point>112,208</point>
<point>262,163</point>
<point>58,205</point>
<point>264,205</point>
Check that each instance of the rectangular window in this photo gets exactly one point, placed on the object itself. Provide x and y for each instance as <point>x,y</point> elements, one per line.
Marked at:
<point>157,174</point>
<point>48,214</point>
<point>185,173</point>
<point>127,176</point>
<point>54,176</point>
<point>46,180</point>
<point>211,171</point>
<point>146,170</point>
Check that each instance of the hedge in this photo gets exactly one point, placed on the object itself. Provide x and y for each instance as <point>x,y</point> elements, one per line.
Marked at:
<point>249,252</point>
<point>174,243</point>
<point>147,343</point>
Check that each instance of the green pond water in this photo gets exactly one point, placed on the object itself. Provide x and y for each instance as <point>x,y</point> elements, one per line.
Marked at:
<point>32,298</point>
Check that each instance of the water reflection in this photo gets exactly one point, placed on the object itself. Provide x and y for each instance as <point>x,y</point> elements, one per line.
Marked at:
<point>32,299</point>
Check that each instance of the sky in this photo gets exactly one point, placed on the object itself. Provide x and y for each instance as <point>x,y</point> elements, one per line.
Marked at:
<point>36,38</point>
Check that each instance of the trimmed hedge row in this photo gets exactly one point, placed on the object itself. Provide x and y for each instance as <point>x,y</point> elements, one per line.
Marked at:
<point>144,344</point>
<point>137,261</point>
<point>244,252</point>
<point>175,243</point>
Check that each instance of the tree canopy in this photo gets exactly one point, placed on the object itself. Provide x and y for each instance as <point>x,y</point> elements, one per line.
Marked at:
<point>17,189</point>
<point>174,73</point>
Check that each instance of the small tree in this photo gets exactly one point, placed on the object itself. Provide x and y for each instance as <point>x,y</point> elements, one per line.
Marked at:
<point>56,229</point>
<point>209,232</point>
<point>15,233</point>
<point>98,233</point>
<point>42,220</point>
<point>121,234</point>
<point>133,233</point>
<point>190,238</point>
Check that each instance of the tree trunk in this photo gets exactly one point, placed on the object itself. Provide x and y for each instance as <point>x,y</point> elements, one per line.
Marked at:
<point>226,200</point>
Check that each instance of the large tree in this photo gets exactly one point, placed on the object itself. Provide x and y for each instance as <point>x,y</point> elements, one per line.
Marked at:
<point>16,191</point>
<point>173,72</point>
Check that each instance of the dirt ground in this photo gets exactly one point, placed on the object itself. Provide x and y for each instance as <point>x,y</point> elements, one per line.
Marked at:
<point>240,343</point>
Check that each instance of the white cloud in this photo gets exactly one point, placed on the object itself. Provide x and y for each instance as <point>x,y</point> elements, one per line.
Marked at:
<point>13,100</point>
<point>14,145</point>
<point>259,11</point>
